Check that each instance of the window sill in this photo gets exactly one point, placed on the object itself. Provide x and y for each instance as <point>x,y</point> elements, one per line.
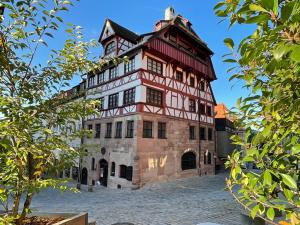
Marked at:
<point>148,137</point>
<point>107,137</point>
<point>129,137</point>
<point>161,138</point>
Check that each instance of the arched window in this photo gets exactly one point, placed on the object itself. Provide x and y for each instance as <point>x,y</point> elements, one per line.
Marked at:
<point>209,158</point>
<point>93,164</point>
<point>110,48</point>
<point>113,169</point>
<point>188,161</point>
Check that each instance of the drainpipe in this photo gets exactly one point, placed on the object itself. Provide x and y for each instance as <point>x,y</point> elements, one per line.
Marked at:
<point>199,123</point>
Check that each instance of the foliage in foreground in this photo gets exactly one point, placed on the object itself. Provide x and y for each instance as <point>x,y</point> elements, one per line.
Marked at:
<point>30,146</point>
<point>268,62</point>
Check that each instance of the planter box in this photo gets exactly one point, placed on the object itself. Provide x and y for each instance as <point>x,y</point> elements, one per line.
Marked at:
<point>71,218</point>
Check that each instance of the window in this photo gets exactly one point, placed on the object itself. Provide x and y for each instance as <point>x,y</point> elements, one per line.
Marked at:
<point>129,96</point>
<point>179,76</point>
<point>110,48</point>
<point>192,81</point>
<point>90,127</point>
<point>130,129</point>
<point>210,134</point>
<point>93,164</point>
<point>101,103</point>
<point>122,173</point>
<point>118,130</point>
<point>147,129</point>
<point>154,96</point>
<point>113,169</point>
<point>108,130</point>
<point>129,66</point>
<point>113,72</point>
<point>154,66</point>
<point>207,157</point>
<point>100,78</point>
<point>192,105</point>
<point>98,130</point>
<point>113,100</point>
<point>192,132</point>
<point>126,172</point>
<point>91,81</point>
<point>208,110</point>
<point>202,86</point>
<point>202,133</point>
<point>173,38</point>
<point>161,130</point>
<point>188,161</point>
<point>202,108</point>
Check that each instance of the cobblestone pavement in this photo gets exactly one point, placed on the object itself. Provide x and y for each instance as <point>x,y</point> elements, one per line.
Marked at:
<point>182,202</point>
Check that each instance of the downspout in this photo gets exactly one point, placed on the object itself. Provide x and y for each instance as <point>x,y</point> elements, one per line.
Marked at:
<point>199,123</point>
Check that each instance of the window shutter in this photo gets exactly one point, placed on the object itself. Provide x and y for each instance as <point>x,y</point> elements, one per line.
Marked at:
<point>129,173</point>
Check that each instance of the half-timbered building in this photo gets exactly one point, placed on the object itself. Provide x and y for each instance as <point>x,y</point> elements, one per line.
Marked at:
<point>156,119</point>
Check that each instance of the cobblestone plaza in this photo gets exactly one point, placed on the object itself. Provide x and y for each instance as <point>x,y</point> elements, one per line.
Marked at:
<point>182,202</point>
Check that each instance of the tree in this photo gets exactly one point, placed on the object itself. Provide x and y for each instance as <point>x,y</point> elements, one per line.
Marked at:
<point>31,106</point>
<point>268,62</point>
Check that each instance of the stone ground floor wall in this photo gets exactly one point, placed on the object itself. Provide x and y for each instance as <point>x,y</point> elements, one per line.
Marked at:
<point>151,159</point>
<point>160,159</point>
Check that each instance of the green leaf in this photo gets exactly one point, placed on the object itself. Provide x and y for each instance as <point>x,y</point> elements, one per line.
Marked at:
<point>254,7</point>
<point>258,19</point>
<point>218,5</point>
<point>286,11</point>
<point>275,7</point>
<point>230,60</point>
<point>254,211</point>
<point>288,194</point>
<point>270,213</point>
<point>288,181</point>
<point>295,55</point>
<point>229,42</point>
<point>267,178</point>
<point>280,51</point>
<point>50,35</point>
<point>267,4</point>
<point>296,149</point>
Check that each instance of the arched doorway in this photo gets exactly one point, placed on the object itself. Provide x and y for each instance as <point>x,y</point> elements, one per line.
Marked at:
<point>103,165</point>
<point>188,161</point>
<point>84,176</point>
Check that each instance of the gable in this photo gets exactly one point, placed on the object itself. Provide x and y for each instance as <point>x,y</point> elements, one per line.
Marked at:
<point>107,31</point>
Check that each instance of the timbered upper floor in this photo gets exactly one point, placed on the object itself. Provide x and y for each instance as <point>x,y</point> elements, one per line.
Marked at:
<point>167,72</point>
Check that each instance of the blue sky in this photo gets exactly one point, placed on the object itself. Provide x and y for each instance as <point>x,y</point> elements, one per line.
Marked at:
<point>140,17</point>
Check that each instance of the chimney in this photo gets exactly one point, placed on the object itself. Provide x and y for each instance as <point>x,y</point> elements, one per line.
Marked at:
<point>169,13</point>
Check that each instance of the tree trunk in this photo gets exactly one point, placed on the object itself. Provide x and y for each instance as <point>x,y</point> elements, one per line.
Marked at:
<point>16,204</point>
<point>29,195</point>
<point>26,207</point>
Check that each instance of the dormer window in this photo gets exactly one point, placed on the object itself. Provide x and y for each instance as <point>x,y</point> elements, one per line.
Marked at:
<point>110,48</point>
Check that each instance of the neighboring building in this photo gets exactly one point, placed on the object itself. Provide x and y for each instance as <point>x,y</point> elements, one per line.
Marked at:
<point>74,94</point>
<point>224,130</point>
<point>156,117</point>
